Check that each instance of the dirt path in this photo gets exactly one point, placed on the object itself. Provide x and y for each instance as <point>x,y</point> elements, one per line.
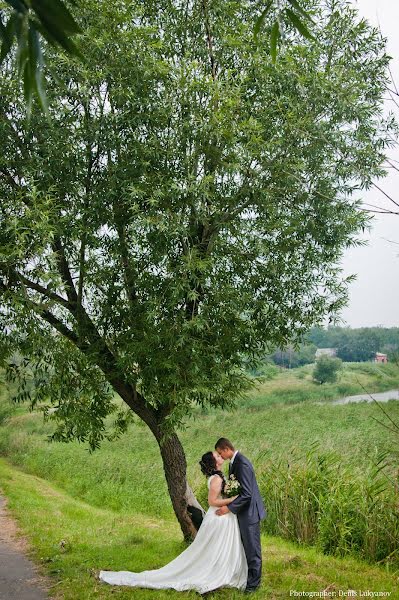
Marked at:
<point>19,579</point>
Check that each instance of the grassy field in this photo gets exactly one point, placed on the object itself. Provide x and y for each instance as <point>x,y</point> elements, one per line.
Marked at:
<point>123,474</point>
<point>113,509</point>
<point>72,540</point>
<point>296,385</point>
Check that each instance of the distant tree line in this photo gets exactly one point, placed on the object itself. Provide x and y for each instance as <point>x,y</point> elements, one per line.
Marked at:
<point>357,345</point>
<point>291,357</point>
<point>352,345</point>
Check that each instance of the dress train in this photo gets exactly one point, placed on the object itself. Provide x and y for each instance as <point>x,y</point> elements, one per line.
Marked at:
<point>216,558</point>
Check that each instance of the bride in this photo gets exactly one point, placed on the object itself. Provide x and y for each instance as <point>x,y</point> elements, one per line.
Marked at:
<point>215,558</point>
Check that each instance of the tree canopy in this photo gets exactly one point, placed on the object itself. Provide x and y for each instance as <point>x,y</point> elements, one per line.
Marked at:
<point>186,208</point>
<point>26,21</point>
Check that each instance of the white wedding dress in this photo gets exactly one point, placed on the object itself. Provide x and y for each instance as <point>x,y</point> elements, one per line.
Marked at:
<point>215,559</point>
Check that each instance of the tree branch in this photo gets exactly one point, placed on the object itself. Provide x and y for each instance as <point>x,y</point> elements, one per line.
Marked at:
<point>42,290</point>
<point>128,274</point>
<point>43,312</point>
<point>98,352</point>
<point>7,175</point>
<point>209,40</point>
<point>386,195</point>
<point>64,271</point>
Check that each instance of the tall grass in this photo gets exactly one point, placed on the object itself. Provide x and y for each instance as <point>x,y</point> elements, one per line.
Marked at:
<point>318,500</point>
<point>7,409</point>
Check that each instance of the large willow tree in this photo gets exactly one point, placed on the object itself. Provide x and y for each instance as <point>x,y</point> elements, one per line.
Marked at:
<point>185,207</point>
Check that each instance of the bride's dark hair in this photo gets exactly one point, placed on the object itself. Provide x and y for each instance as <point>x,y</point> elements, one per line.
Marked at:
<point>208,467</point>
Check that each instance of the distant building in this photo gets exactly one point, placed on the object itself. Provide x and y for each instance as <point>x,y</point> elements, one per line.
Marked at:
<point>380,358</point>
<point>325,352</point>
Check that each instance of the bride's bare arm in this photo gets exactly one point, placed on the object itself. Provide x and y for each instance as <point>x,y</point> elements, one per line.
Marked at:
<point>214,490</point>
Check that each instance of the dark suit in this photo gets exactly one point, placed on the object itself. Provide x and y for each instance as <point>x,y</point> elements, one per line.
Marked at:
<point>250,510</point>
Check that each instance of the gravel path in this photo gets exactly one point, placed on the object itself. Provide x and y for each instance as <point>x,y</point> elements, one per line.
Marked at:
<point>18,577</point>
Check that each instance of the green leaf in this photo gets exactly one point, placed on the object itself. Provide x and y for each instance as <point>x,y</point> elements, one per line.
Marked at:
<point>57,24</point>
<point>36,65</point>
<point>260,20</point>
<point>33,56</point>
<point>57,38</point>
<point>295,4</point>
<point>41,92</point>
<point>2,29</point>
<point>22,50</point>
<point>17,5</point>
<point>274,37</point>
<point>28,83</point>
<point>56,15</point>
<point>298,24</point>
<point>8,34</point>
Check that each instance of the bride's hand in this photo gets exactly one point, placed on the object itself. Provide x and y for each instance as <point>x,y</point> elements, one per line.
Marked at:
<point>232,498</point>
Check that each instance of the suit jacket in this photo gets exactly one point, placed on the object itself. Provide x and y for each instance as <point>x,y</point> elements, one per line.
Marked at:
<point>249,506</point>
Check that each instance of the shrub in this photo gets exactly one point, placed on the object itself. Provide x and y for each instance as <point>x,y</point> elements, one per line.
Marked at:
<point>326,369</point>
<point>268,372</point>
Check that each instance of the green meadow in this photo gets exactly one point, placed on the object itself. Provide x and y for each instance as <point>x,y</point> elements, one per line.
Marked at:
<point>292,386</point>
<point>328,474</point>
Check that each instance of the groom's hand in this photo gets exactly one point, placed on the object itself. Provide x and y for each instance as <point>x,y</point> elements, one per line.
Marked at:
<point>223,510</point>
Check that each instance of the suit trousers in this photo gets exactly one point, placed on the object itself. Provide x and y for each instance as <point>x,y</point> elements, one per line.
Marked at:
<point>250,536</point>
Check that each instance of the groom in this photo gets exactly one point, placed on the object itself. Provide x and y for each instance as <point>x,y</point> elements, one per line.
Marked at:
<point>248,507</point>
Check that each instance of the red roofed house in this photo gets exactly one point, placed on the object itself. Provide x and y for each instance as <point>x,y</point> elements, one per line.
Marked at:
<point>380,358</point>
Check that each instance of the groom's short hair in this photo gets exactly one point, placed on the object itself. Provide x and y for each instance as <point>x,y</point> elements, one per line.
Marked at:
<point>223,443</point>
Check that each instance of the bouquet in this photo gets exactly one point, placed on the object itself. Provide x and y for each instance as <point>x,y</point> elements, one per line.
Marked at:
<point>232,487</point>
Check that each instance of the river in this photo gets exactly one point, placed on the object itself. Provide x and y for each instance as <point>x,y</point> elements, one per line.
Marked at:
<point>379,396</point>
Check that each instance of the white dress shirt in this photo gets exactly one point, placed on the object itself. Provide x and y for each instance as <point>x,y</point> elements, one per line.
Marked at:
<point>233,457</point>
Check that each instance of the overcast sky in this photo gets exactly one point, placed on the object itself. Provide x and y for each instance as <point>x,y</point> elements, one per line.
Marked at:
<point>374,296</point>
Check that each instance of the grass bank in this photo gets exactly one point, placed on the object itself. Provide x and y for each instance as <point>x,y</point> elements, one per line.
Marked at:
<point>319,468</point>
<point>72,540</point>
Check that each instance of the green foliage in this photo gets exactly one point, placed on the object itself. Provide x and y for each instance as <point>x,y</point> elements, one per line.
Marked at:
<point>318,500</point>
<point>285,14</point>
<point>59,380</point>
<point>183,212</point>
<point>361,347</point>
<point>6,407</point>
<point>27,21</point>
<point>295,386</point>
<point>294,357</point>
<point>6,410</point>
<point>267,372</point>
<point>326,369</point>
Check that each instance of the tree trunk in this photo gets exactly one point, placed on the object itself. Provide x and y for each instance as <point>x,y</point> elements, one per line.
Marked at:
<point>173,457</point>
<point>174,465</point>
